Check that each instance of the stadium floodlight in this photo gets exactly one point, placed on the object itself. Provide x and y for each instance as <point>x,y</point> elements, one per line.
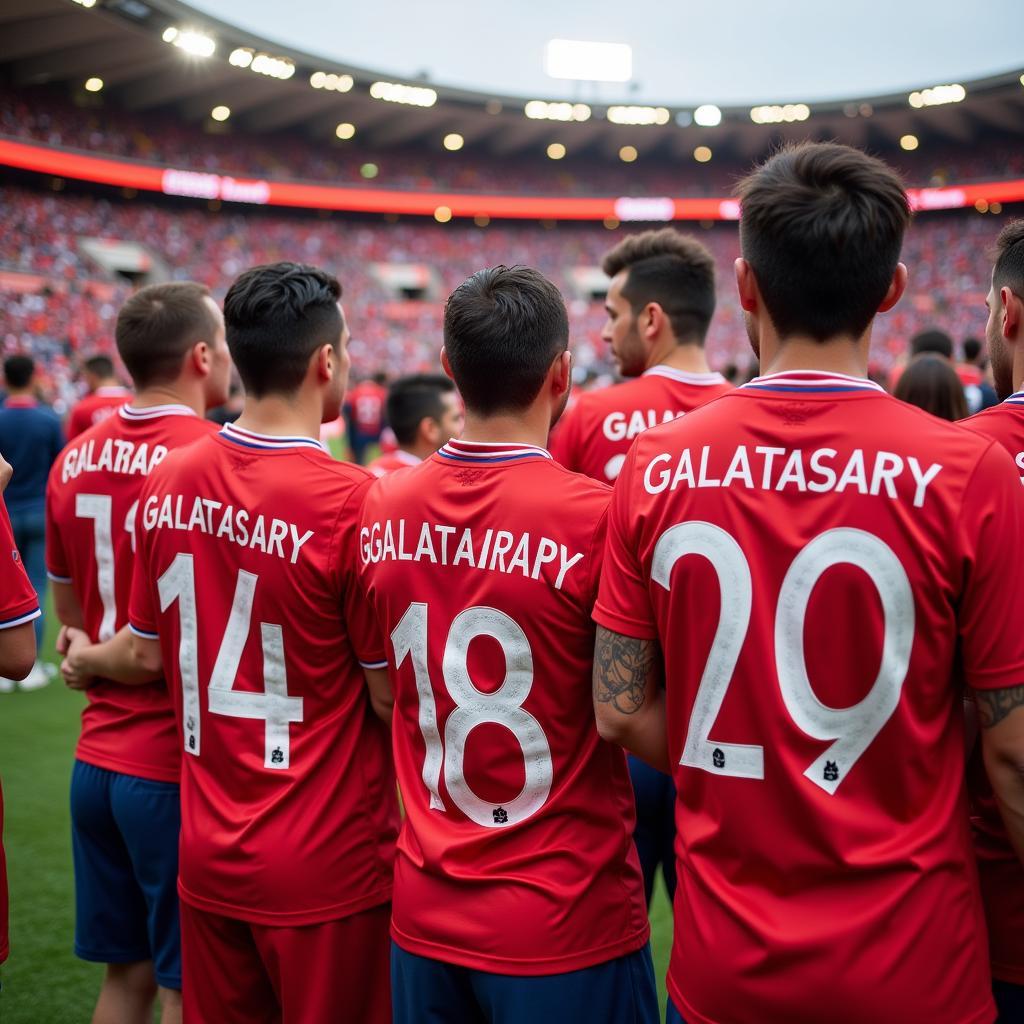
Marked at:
<point>627,154</point>
<point>707,115</point>
<point>345,130</point>
<point>638,115</point>
<point>395,92</point>
<point>702,154</point>
<point>195,44</point>
<point>369,171</point>
<point>86,3</point>
<point>241,58</point>
<point>588,62</point>
<point>684,119</point>
<point>272,67</point>
<point>909,143</point>
<point>555,151</point>
<point>329,80</point>
<point>93,84</point>
<point>443,214</point>
<point>776,114</point>
<point>937,96</point>
<point>220,113</point>
<point>453,142</point>
<point>542,110</point>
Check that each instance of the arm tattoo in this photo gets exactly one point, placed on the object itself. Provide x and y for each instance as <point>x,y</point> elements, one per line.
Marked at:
<point>995,705</point>
<point>622,667</point>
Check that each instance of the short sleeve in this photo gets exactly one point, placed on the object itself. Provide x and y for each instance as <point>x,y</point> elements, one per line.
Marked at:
<point>623,600</point>
<point>360,620</point>
<point>992,539</point>
<point>142,606</point>
<point>19,602</point>
<point>57,566</point>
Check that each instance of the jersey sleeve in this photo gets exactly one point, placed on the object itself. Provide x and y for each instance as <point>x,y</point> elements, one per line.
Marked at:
<point>76,421</point>
<point>142,608</point>
<point>992,539</point>
<point>19,602</point>
<point>360,620</point>
<point>623,600</point>
<point>58,568</point>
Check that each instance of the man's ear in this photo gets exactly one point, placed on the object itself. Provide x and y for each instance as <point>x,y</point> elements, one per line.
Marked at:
<point>561,370</point>
<point>445,365</point>
<point>746,285</point>
<point>325,358</point>
<point>1013,313</point>
<point>650,320</point>
<point>200,357</point>
<point>896,289</point>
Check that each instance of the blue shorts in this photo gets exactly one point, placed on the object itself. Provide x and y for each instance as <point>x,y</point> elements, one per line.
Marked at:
<point>655,831</point>
<point>124,837</point>
<point>620,991</point>
<point>672,1015</point>
<point>1009,1001</point>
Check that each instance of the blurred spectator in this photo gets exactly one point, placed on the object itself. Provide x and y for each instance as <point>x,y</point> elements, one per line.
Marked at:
<point>104,395</point>
<point>931,383</point>
<point>364,413</point>
<point>980,394</point>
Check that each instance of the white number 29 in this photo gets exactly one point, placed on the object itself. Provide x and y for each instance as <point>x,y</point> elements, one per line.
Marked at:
<point>851,729</point>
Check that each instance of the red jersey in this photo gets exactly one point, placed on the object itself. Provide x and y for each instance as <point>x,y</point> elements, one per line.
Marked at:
<point>18,605</point>
<point>852,562</point>
<point>392,461</point>
<point>999,867</point>
<point>96,407</point>
<point>513,803</point>
<point>366,402</point>
<point>91,497</point>
<point>596,432</point>
<point>246,574</point>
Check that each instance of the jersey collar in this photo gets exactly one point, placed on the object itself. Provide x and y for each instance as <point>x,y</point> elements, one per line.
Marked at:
<point>408,458</point>
<point>483,452</point>
<point>1017,398</point>
<point>152,412</point>
<point>266,442</point>
<point>21,402</point>
<point>111,391</point>
<point>811,382</point>
<point>683,376</point>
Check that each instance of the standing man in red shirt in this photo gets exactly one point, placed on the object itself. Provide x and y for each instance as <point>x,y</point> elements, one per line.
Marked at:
<point>518,895</point>
<point>810,564</point>
<point>245,591</point>
<point>105,395</point>
<point>124,786</point>
<point>365,415</point>
<point>660,302</point>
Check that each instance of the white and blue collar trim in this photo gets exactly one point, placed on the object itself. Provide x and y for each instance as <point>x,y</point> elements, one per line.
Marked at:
<point>684,376</point>
<point>1017,398</point>
<point>152,412</point>
<point>812,381</point>
<point>266,442</point>
<point>482,452</point>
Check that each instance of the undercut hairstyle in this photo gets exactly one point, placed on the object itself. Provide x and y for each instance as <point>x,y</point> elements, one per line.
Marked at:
<point>822,226</point>
<point>411,399</point>
<point>503,328</point>
<point>18,371</point>
<point>276,317</point>
<point>1009,258</point>
<point>99,366</point>
<point>932,340</point>
<point>931,383</point>
<point>158,325</point>
<point>675,271</point>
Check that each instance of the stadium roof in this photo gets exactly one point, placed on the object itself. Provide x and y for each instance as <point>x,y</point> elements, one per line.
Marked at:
<point>122,42</point>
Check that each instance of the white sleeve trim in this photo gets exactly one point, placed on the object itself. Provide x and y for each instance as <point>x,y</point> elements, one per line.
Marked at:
<point>57,579</point>
<point>374,664</point>
<point>142,633</point>
<point>21,619</point>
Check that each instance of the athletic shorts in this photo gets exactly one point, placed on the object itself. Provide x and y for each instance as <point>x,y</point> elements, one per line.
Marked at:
<point>236,972</point>
<point>124,839</point>
<point>672,1015</point>
<point>655,832</point>
<point>620,991</point>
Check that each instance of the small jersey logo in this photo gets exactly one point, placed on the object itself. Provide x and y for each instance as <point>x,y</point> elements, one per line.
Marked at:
<point>15,555</point>
<point>277,756</point>
<point>468,476</point>
<point>500,816</point>
<point>718,758</point>
<point>831,771</point>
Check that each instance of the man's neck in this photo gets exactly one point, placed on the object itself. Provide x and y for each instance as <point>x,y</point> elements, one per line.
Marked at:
<point>28,392</point>
<point>170,394</point>
<point>529,428</point>
<point>688,358</point>
<point>279,417</point>
<point>841,355</point>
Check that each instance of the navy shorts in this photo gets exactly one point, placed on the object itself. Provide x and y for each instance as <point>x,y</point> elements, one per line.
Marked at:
<point>620,991</point>
<point>655,832</point>
<point>1009,1001</point>
<point>672,1015</point>
<point>124,837</point>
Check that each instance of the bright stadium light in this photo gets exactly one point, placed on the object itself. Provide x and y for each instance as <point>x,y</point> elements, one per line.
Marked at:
<point>638,115</point>
<point>556,151</point>
<point>775,114</point>
<point>627,154</point>
<point>345,130</point>
<point>272,67</point>
<point>241,58</point>
<point>196,44</point>
<point>395,92</point>
<point>86,3</point>
<point>443,214</point>
<point>588,62</point>
<point>453,142</point>
<point>542,110</point>
<point>325,80</point>
<point>220,113</point>
<point>707,115</point>
<point>702,154</point>
<point>909,143</point>
<point>937,96</point>
<point>93,84</point>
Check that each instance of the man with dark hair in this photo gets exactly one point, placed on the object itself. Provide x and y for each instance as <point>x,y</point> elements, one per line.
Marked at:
<point>30,439</point>
<point>978,391</point>
<point>518,895</point>
<point>424,412</point>
<point>818,754</point>
<point>245,595</point>
<point>105,395</point>
<point>999,867</point>
<point>125,813</point>
<point>932,341</point>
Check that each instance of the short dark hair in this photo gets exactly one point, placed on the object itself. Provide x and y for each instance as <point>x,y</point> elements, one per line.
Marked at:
<point>972,349</point>
<point>503,327</point>
<point>99,366</point>
<point>1009,257</point>
<point>158,325</point>
<point>931,383</point>
<point>932,340</point>
<point>277,316</point>
<point>821,226</point>
<point>672,269</point>
<point>18,370</point>
<point>412,398</point>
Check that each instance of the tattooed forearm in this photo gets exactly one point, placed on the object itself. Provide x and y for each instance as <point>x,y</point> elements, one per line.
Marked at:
<point>622,667</point>
<point>995,705</point>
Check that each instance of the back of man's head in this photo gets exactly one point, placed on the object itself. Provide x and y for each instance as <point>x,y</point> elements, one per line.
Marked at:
<point>934,341</point>
<point>276,317</point>
<point>972,350</point>
<point>414,398</point>
<point>822,226</point>
<point>1008,271</point>
<point>158,326</point>
<point>672,269</point>
<point>98,369</point>
<point>18,371</point>
<point>503,328</point>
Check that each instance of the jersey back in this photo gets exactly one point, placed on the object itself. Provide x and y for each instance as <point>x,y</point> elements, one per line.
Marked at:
<point>596,432</point>
<point>516,853</point>
<point>91,500</point>
<point>816,560</point>
<point>95,408</point>
<point>246,575</point>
